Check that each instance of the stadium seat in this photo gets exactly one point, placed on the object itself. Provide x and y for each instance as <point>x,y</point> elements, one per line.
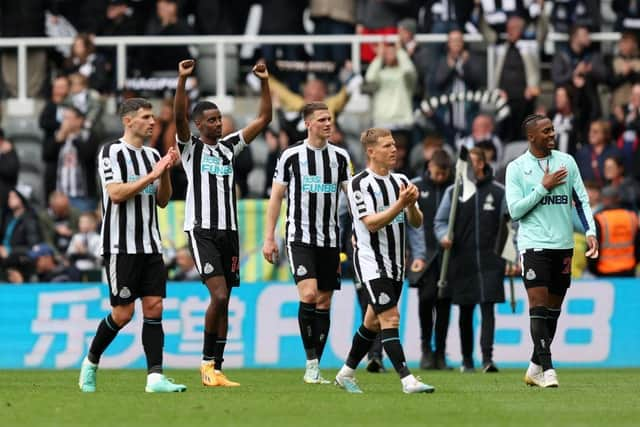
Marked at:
<point>206,69</point>
<point>256,181</point>
<point>23,128</point>
<point>30,153</point>
<point>32,180</point>
<point>259,153</point>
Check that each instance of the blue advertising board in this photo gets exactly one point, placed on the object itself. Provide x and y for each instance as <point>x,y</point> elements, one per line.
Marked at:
<point>51,325</point>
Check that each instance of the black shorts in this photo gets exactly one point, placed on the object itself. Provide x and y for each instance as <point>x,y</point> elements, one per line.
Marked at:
<point>312,262</point>
<point>132,276</point>
<point>216,253</point>
<point>550,268</point>
<point>383,293</point>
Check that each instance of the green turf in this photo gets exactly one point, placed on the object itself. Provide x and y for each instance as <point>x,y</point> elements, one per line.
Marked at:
<point>279,398</point>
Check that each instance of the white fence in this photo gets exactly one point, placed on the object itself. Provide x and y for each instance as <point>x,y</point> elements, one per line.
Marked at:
<point>220,42</point>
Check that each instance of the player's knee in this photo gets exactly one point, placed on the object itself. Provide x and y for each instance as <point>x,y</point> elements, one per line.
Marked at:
<point>122,315</point>
<point>220,300</point>
<point>152,308</point>
<point>309,296</point>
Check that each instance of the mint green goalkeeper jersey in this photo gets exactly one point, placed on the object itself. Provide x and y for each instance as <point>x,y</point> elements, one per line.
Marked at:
<point>545,217</point>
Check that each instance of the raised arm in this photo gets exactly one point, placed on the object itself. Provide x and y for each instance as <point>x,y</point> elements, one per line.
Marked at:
<point>185,68</point>
<point>254,128</point>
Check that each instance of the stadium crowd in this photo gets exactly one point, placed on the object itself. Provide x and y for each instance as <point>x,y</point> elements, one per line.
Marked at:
<point>432,97</point>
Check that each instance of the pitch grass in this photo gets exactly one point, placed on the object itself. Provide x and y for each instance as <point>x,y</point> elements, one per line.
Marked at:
<point>279,398</point>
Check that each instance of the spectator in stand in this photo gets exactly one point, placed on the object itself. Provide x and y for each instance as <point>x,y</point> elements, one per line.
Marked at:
<point>20,228</point>
<point>59,222</point>
<point>50,120</point>
<point>627,15</point>
<point>162,138</point>
<point>277,142</point>
<point>333,17</point>
<point>9,168</point>
<point>84,251</point>
<point>243,161</point>
<point>444,16</point>
<point>284,17</point>
<point>48,268</point>
<point>120,20</point>
<point>380,17</point>
<point>419,54</point>
<point>455,74</point>
<point>86,61</point>
<point>219,16</point>
<point>186,270</point>
<point>626,69</point>
<point>518,77</point>
<point>564,121</point>
<point>627,188</point>
<point>583,69</point>
<point>483,136</point>
<point>76,173</point>
<point>626,127</point>
<point>24,18</point>
<point>590,157</point>
<point>289,104</point>
<point>567,13</point>
<point>84,16</point>
<point>617,231</point>
<point>88,101</point>
<point>393,77</point>
<point>496,15</point>
<point>166,22</point>
<point>16,268</point>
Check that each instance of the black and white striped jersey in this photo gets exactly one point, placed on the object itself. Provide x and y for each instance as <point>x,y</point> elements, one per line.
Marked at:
<point>313,177</point>
<point>130,227</point>
<point>380,254</point>
<point>211,192</point>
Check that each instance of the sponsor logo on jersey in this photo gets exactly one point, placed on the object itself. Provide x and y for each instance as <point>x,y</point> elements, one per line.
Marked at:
<point>555,199</point>
<point>214,166</point>
<point>149,189</point>
<point>314,184</point>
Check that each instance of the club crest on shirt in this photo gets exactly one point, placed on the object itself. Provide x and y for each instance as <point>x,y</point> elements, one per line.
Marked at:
<point>488,203</point>
<point>424,194</point>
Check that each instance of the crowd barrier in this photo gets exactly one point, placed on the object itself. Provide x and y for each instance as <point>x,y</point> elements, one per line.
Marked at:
<point>51,325</point>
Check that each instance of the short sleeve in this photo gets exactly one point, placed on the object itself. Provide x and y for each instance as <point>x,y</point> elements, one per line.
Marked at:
<point>108,165</point>
<point>235,141</point>
<point>282,174</point>
<point>359,200</point>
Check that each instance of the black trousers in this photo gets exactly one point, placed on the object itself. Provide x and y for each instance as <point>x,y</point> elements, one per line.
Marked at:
<point>487,330</point>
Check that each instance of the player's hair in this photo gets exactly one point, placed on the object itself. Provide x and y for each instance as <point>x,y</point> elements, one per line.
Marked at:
<point>370,136</point>
<point>312,107</point>
<point>530,121</point>
<point>477,151</point>
<point>132,105</point>
<point>201,107</point>
<point>441,159</point>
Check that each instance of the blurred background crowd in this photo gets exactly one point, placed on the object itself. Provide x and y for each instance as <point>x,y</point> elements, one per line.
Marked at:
<point>433,96</point>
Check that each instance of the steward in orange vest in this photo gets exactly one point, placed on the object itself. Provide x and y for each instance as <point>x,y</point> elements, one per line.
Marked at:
<point>617,231</point>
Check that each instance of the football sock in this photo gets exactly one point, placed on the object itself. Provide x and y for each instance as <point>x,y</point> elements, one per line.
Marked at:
<point>208,347</point>
<point>153,342</point>
<point>323,321</point>
<point>306,321</point>
<point>107,331</point>
<point>540,335</point>
<point>552,321</point>
<point>362,341</point>
<point>219,351</point>
<point>393,348</point>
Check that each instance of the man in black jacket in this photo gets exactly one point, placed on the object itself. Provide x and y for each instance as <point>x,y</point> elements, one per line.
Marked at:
<point>476,272</point>
<point>426,255</point>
